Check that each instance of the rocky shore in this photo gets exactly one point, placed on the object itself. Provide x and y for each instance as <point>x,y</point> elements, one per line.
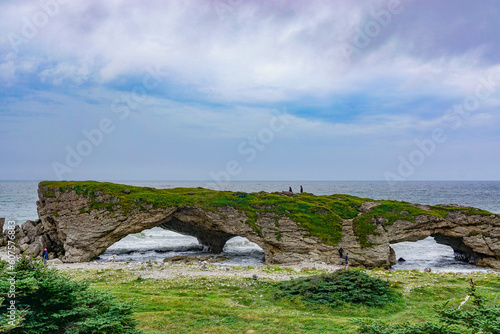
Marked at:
<point>174,269</point>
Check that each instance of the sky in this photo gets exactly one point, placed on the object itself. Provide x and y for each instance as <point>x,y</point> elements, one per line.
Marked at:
<point>230,90</point>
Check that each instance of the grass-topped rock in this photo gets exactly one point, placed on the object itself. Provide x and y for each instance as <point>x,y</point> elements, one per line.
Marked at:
<point>320,218</point>
<point>80,220</point>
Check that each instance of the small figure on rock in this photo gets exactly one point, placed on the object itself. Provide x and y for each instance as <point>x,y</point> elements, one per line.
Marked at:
<point>45,255</point>
<point>290,189</point>
<point>346,259</point>
<point>301,189</point>
<point>341,252</point>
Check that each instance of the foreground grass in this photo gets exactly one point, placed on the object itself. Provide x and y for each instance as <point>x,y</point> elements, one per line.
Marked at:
<point>241,305</point>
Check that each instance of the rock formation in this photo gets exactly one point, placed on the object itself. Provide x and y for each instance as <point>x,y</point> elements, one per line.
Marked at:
<point>78,221</point>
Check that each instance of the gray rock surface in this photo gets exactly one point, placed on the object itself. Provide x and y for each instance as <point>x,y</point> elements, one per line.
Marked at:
<point>55,261</point>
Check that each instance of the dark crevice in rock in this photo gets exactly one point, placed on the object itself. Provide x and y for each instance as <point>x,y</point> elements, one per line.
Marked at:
<point>214,240</point>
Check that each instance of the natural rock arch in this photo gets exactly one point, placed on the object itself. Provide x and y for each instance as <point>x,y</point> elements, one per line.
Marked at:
<point>191,222</point>
<point>188,221</point>
<point>78,224</point>
<point>206,227</point>
<point>475,238</point>
<point>454,243</point>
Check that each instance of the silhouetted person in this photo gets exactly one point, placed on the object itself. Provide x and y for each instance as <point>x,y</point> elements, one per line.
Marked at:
<point>301,189</point>
<point>290,189</point>
<point>341,252</point>
<point>346,261</point>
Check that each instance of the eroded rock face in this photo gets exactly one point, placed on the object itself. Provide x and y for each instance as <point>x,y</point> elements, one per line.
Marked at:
<point>83,234</point>
<point>478,237</point>
<point>74,232</point>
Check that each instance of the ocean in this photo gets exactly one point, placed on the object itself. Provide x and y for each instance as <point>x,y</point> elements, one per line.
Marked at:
<point>18,203</point>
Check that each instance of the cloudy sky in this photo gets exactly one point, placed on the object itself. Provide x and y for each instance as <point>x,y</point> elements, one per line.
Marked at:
<point>250,90</point>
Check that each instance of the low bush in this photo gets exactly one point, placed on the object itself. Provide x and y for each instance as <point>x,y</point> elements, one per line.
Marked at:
<point>334,289</point>
<point>47,302</point>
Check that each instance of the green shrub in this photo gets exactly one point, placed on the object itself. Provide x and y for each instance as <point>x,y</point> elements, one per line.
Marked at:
<point>48,302</point>
<point>334,289</point>
<point>471,319</point>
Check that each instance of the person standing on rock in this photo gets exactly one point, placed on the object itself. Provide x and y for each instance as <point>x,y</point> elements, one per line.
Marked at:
<point>45,255</point>
<point>346,261</point>
<point>290,189</point>
<point>301,189</point>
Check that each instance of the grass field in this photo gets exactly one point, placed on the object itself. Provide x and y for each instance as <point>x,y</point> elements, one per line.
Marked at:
<point>232,304</point>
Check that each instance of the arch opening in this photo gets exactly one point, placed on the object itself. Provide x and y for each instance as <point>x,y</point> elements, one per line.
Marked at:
<point>151,244</point>
<point>436,252</point>
<point>242,251</point>
<point>211,240</point>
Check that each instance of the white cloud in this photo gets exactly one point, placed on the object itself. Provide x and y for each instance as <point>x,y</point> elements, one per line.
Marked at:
<point>249,51</point>
<point>7,71</point>
<point>252,49</point>
<point>63,72</point>
<point>220,58</point>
